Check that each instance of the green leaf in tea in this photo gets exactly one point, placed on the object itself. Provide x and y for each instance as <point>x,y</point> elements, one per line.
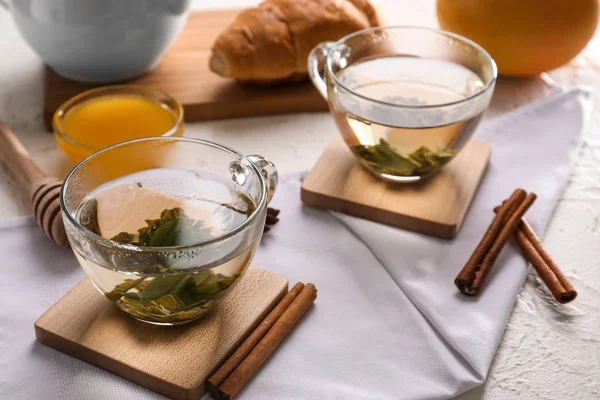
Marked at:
<point>174,296</point>
<point>171,298</point>
<point>122,288</point>
<point>160,286</point>
<point>125,237</point>
<point>385,159</point>
<point>88,218</point>
<point>173,228</point>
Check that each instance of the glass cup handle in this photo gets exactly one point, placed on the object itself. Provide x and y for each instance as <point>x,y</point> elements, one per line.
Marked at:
<point>268,170</point>
<point>316,66</point>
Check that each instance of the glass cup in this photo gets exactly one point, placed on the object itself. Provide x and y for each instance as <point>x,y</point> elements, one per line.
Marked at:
<point>405,99</point>
<point>167,282</point>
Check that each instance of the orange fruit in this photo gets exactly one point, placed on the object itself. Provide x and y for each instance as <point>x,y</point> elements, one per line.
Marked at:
<point>525,37</point>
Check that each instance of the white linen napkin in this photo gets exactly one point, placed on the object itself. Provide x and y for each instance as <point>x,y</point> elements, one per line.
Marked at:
<point>388,322</point>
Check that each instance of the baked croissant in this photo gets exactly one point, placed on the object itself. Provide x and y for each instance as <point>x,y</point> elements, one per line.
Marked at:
<point>271,42</point>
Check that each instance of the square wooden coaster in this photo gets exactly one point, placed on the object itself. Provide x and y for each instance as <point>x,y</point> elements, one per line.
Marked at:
<point>174,361</point>
<point>435,207</point>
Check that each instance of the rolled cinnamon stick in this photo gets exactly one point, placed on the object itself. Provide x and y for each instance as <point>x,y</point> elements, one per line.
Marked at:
<point>553,277</point>
<point>246,347</point>
<point>273,211</point>
<point>544,265</point>
<point>246,369</point>
<point>511,225</point>
<point>561,289</point>
<point>271,219</point>
<point>466,276</point>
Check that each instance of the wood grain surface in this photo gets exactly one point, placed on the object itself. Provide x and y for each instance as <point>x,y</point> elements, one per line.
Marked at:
<point>434,207</point>
<point>41,191</point>
<point>184,74</point>
<point>293,142</point>
<point>174,361</point>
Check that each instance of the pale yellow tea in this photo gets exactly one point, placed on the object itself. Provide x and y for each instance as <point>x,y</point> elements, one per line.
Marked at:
<point>167,209</point>
<point>415,139</point>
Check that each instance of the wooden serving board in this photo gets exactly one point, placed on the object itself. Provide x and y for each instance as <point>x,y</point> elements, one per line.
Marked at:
<point>184,74</point>
<point>435,207</point>
<point>174,361</point>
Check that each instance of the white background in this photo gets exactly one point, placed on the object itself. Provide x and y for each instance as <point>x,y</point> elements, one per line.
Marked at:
<point>548,351</point>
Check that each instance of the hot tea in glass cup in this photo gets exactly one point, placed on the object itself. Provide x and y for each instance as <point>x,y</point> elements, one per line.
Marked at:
<point>406,100</point>
<point>170,232</point>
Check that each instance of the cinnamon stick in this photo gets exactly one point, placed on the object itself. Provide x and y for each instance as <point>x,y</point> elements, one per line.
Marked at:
<point>563,292</point>
<point>467,275</point>
<point>547,269</point>
<point>273,211</point>
<point>246,369</point>
<point>271,219</point>
<point>246,347</point>
<point>511,225</point>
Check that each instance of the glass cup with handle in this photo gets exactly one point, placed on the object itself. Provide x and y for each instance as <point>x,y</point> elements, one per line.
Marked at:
<point>169,233</point>
<point>405,99</point>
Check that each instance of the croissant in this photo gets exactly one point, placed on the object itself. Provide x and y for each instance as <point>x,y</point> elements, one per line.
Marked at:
<point>271,42</point>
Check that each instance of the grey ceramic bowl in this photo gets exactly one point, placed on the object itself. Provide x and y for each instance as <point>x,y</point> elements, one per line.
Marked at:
<point>99,41</point>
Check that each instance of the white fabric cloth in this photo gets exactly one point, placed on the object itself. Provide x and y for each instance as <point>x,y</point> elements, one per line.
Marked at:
<point>388,322</point>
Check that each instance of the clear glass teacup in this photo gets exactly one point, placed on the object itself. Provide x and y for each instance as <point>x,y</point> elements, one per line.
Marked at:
<point>405,99</point>
<point>170,232</point>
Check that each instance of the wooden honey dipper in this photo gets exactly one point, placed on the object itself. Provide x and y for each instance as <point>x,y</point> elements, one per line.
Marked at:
<point>42,190</point>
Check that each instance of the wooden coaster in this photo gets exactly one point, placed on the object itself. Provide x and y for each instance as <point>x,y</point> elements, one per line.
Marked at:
<point>184,74</point>
<point>174,361</point>
<point>434,207</point>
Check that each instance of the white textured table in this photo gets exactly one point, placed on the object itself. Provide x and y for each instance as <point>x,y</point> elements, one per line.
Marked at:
<point>548,351</point>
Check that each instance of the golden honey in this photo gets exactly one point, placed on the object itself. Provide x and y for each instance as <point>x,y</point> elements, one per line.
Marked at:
<point>102,117</point>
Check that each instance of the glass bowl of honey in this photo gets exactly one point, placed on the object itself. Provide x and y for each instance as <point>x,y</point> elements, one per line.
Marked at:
<point>102,117</point>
